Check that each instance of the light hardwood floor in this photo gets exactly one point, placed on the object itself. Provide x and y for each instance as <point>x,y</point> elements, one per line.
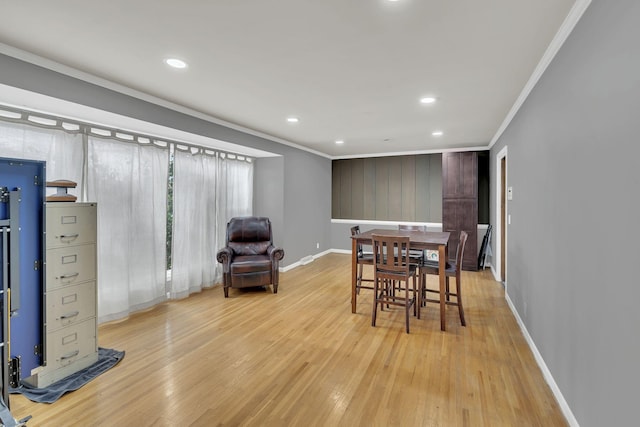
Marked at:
<point>302,358</point>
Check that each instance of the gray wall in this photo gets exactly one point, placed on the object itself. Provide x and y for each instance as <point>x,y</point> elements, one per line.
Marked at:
<point>268,193</point>
<point>304,190</point>
<point>307,215</point>
<point>573,162</point>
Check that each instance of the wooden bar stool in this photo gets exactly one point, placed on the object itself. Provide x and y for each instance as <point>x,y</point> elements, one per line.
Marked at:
<point>452,269</point>
<point>392,268</point>
<point>363,258</point>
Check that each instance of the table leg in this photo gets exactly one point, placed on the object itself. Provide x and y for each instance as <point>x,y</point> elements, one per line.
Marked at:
<point>354,269</point>
<point>442,276</point>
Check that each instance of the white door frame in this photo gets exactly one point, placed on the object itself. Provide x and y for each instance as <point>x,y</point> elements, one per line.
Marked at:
<point>498,258</point>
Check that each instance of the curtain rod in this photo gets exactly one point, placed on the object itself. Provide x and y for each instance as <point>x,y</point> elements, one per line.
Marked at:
<point>73,126</point>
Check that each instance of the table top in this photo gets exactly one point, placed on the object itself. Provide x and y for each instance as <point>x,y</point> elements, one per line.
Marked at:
<point>417,238</point>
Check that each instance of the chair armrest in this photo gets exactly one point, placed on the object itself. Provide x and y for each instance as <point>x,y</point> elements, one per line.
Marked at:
<point>224,257</point>
<point>275,253</point>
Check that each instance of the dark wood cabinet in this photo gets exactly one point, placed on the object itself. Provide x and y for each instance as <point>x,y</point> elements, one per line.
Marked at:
<point>460,175</point>
<point>460,203</point>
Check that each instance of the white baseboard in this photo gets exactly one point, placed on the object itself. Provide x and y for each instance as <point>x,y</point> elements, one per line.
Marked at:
<point>564,406</point>
<point>306,260</point>
<point>341,251</point>
<point>495,273</point>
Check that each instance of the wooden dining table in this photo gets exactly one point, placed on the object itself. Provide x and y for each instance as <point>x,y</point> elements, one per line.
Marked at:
<point>419,240</point>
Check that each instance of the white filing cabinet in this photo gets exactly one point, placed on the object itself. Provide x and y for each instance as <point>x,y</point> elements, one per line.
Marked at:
<point>70,300</point>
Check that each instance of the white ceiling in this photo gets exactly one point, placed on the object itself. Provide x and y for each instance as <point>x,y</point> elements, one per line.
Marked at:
<point>348,69</point>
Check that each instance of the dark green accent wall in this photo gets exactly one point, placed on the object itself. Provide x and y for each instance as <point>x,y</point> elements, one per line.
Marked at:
<point>398,188</point>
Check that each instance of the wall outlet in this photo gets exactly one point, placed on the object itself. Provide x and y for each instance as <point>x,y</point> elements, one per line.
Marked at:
<point>318,245</point>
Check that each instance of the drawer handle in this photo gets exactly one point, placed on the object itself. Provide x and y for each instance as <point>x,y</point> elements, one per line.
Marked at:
<point>69,236</point>
<point>70,355</point>
<point>69,276</point>
<point>70,315</point>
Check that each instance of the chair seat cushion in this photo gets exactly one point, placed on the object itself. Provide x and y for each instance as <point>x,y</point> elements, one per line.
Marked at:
<point>243,264</point>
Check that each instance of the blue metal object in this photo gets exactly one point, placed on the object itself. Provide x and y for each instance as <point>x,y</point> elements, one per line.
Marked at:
<point>26,320</point>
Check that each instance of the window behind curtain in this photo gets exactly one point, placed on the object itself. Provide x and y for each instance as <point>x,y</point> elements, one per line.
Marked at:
<point>208,191</point>
<point>127,177</point>
<point>129,183</point>
<point>194,223</point>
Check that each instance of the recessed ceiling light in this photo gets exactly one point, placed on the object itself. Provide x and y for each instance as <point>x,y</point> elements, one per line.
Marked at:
<point>339,141</point>
<point>437,133</point>
<point>427,100</point>
<point>292,119</point>
<point>175,63</point>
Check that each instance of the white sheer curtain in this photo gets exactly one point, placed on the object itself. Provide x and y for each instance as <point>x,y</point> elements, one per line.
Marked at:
<point>208,190</point>
<point>195,241</point>
<point>129,183</point>
<point>235,192</point>
<point>63,152</point>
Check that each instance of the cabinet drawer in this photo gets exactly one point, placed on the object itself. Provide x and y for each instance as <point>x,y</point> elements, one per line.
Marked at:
<point>67,266</point>
<point>70,224</point>
<point>72,343</point>
<point>71,304</point>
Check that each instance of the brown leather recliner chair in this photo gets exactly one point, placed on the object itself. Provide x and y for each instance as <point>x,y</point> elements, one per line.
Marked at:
<point>249,258</point>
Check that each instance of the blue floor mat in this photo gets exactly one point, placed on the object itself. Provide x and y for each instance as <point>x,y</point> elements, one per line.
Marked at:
<point>107,359</point>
